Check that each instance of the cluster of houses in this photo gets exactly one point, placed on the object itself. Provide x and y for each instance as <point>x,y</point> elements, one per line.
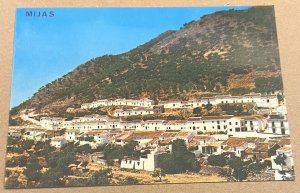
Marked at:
<point>262,136</point>
<point>263,147</point>
<point>266,101</point>
<point>275,123</point>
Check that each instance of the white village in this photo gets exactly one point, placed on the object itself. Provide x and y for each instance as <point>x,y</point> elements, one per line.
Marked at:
<point>261,137</point>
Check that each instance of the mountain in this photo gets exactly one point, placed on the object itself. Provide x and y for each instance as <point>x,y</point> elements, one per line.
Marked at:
<point>233,51</point>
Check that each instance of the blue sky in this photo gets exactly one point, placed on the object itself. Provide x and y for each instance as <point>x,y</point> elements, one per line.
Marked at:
<point>45,48</point>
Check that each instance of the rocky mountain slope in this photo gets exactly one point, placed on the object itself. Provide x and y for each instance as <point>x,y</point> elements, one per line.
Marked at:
<point>225,52</point>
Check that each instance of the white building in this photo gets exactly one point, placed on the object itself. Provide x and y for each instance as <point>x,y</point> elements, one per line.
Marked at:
<point>266,101</point>
<point>146,162</point>
<point>100,137</point>
<point>133,112</point>
<point>132,125</point>
<point>235,145</point>
<point>50,122</point>
<point>154,125</point>
<point>72,134</point>
<point>35,134</point>
<point>278,124</point>
<point>175,104</point>
<point>58,142</point>
<point>147,103</point>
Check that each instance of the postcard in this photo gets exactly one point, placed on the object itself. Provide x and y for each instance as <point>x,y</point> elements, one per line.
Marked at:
<point>133,96</point>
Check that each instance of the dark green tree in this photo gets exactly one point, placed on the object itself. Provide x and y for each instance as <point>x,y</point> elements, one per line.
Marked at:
<point>79,182</point>
<point>197,111</point>
<point>101,178</point>
<point>280,160</point>
<point>130,181</point>
<point>12,182</point>
<point>217,160</point>
<point>240,172</point>
<point>33,171</point>
<point>52,178</point>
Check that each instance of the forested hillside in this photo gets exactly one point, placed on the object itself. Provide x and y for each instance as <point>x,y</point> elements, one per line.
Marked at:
<point>225,52</point>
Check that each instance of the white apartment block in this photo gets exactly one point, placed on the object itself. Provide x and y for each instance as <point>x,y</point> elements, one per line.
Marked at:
<point>266,101</point>
<point>278,124</point>
<point>133,112</point>
<point>147,103</point>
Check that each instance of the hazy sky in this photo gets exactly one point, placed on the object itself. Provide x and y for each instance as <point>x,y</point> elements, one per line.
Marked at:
<point>46,48</point>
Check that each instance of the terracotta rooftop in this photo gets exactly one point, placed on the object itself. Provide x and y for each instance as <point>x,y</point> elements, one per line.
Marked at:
<point>285,141</point>
<point>194,119</point>
<point>144,134</point>
<point>263,147</point>
<point>217,117</point>
<point>234,142</point>
<point>168,134</point>
<point>165,141</point>
<point>183,134</point>
<point>201,137</point>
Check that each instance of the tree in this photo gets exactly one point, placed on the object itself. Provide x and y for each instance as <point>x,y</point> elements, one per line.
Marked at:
<point>158,173</point>
<point>217,160</point>
<point>84,149</point>
<point>191,163</point>
<point>180,160</point>
<point>17,161</point>
<point>33,171</point>
<point>130,181</point>
<point>78,182</point>
<point>129,148</point>
<point>257,167</point>
<point>168,163</point>
<point>197,111</point>
<point>46,150</point>
<point>12,182</point>
<point>39,146</point>
<point>112,151</point>
<point>52,159</point>
<point>280,160</point>
<point>101,178</point>
<point>26,144</point>
<point>239,171</point>
<point>209,106</point>
<point>12,141</point>
<point>52,178</point>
